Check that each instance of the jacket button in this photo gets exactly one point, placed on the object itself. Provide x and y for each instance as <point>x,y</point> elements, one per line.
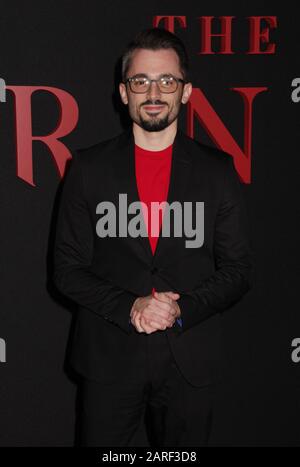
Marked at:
<point>154,270</point>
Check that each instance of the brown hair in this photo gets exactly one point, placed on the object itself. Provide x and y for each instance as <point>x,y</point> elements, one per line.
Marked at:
<point>155,39</point>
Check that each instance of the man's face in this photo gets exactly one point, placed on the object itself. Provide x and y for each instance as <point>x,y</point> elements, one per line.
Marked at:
<point>154,110</point>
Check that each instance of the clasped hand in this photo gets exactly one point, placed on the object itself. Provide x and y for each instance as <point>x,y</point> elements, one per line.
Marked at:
<point>155,312</point>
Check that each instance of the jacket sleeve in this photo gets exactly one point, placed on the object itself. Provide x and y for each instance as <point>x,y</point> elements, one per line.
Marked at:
<point>233,275</point>
<point>73,253</point>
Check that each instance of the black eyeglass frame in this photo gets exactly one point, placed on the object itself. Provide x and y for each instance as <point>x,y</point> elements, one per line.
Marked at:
<point>128,80</point>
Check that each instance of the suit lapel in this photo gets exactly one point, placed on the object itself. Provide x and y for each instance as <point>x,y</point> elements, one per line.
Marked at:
<point>126,180</point>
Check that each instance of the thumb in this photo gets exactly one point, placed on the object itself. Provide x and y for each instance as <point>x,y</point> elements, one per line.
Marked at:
<point>173,295</point>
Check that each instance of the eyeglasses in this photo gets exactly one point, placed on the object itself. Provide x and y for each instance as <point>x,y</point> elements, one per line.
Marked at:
<point>141,84</point>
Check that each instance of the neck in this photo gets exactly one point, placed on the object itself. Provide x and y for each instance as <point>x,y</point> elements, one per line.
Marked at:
<point>154,140</point>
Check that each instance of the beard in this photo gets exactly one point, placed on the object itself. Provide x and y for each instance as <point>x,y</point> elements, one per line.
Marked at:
<point>155,124</point>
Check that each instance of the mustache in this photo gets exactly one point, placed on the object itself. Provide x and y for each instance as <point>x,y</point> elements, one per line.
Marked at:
<point>153,103</point>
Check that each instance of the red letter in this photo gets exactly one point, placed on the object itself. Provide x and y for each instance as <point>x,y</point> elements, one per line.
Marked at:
<point>214,126</point>
<point>68,120</point>
<point>256,35</point>
<point>225,34</point>
<point>169,22</point>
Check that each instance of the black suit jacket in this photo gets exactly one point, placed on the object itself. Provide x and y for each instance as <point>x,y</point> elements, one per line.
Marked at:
<point>105,275</point>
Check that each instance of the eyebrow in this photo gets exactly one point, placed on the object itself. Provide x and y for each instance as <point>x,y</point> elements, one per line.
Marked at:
<point>137,75</point>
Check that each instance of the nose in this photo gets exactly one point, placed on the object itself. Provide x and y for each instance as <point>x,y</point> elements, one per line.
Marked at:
<point>153,91</point>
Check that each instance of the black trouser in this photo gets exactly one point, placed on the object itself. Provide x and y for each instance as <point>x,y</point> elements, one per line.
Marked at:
<point>177,413</point>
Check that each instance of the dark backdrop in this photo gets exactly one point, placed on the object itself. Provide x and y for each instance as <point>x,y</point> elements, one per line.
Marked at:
<point>75,46</point>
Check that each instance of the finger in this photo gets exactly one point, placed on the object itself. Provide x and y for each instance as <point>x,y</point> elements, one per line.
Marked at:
<point>172,301</point>
<point>157,325</point>
<point>137,323</point>
<point>159,304</point>
<point>160,326</point>
<point>167,313</point>
<point>166,297</point>
<point>167,292</point>
<point>156,314</point>
<point>133,315</point>
<point>159,308</point>
<point>162,297</point>
<point>161,300</point>
<point>147,326</point>
<point>160,317</point>
<point>160,322</point>
<point>173,295</point>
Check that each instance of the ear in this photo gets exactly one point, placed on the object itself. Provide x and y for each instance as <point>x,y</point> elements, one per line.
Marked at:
<point>187,91</point>
<point>123,93</point>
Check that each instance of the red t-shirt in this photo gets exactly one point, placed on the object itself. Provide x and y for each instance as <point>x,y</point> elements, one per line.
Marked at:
<point>153,169</point>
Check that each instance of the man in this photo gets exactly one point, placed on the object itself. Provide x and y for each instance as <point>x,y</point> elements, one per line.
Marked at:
<point>147,334</point>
